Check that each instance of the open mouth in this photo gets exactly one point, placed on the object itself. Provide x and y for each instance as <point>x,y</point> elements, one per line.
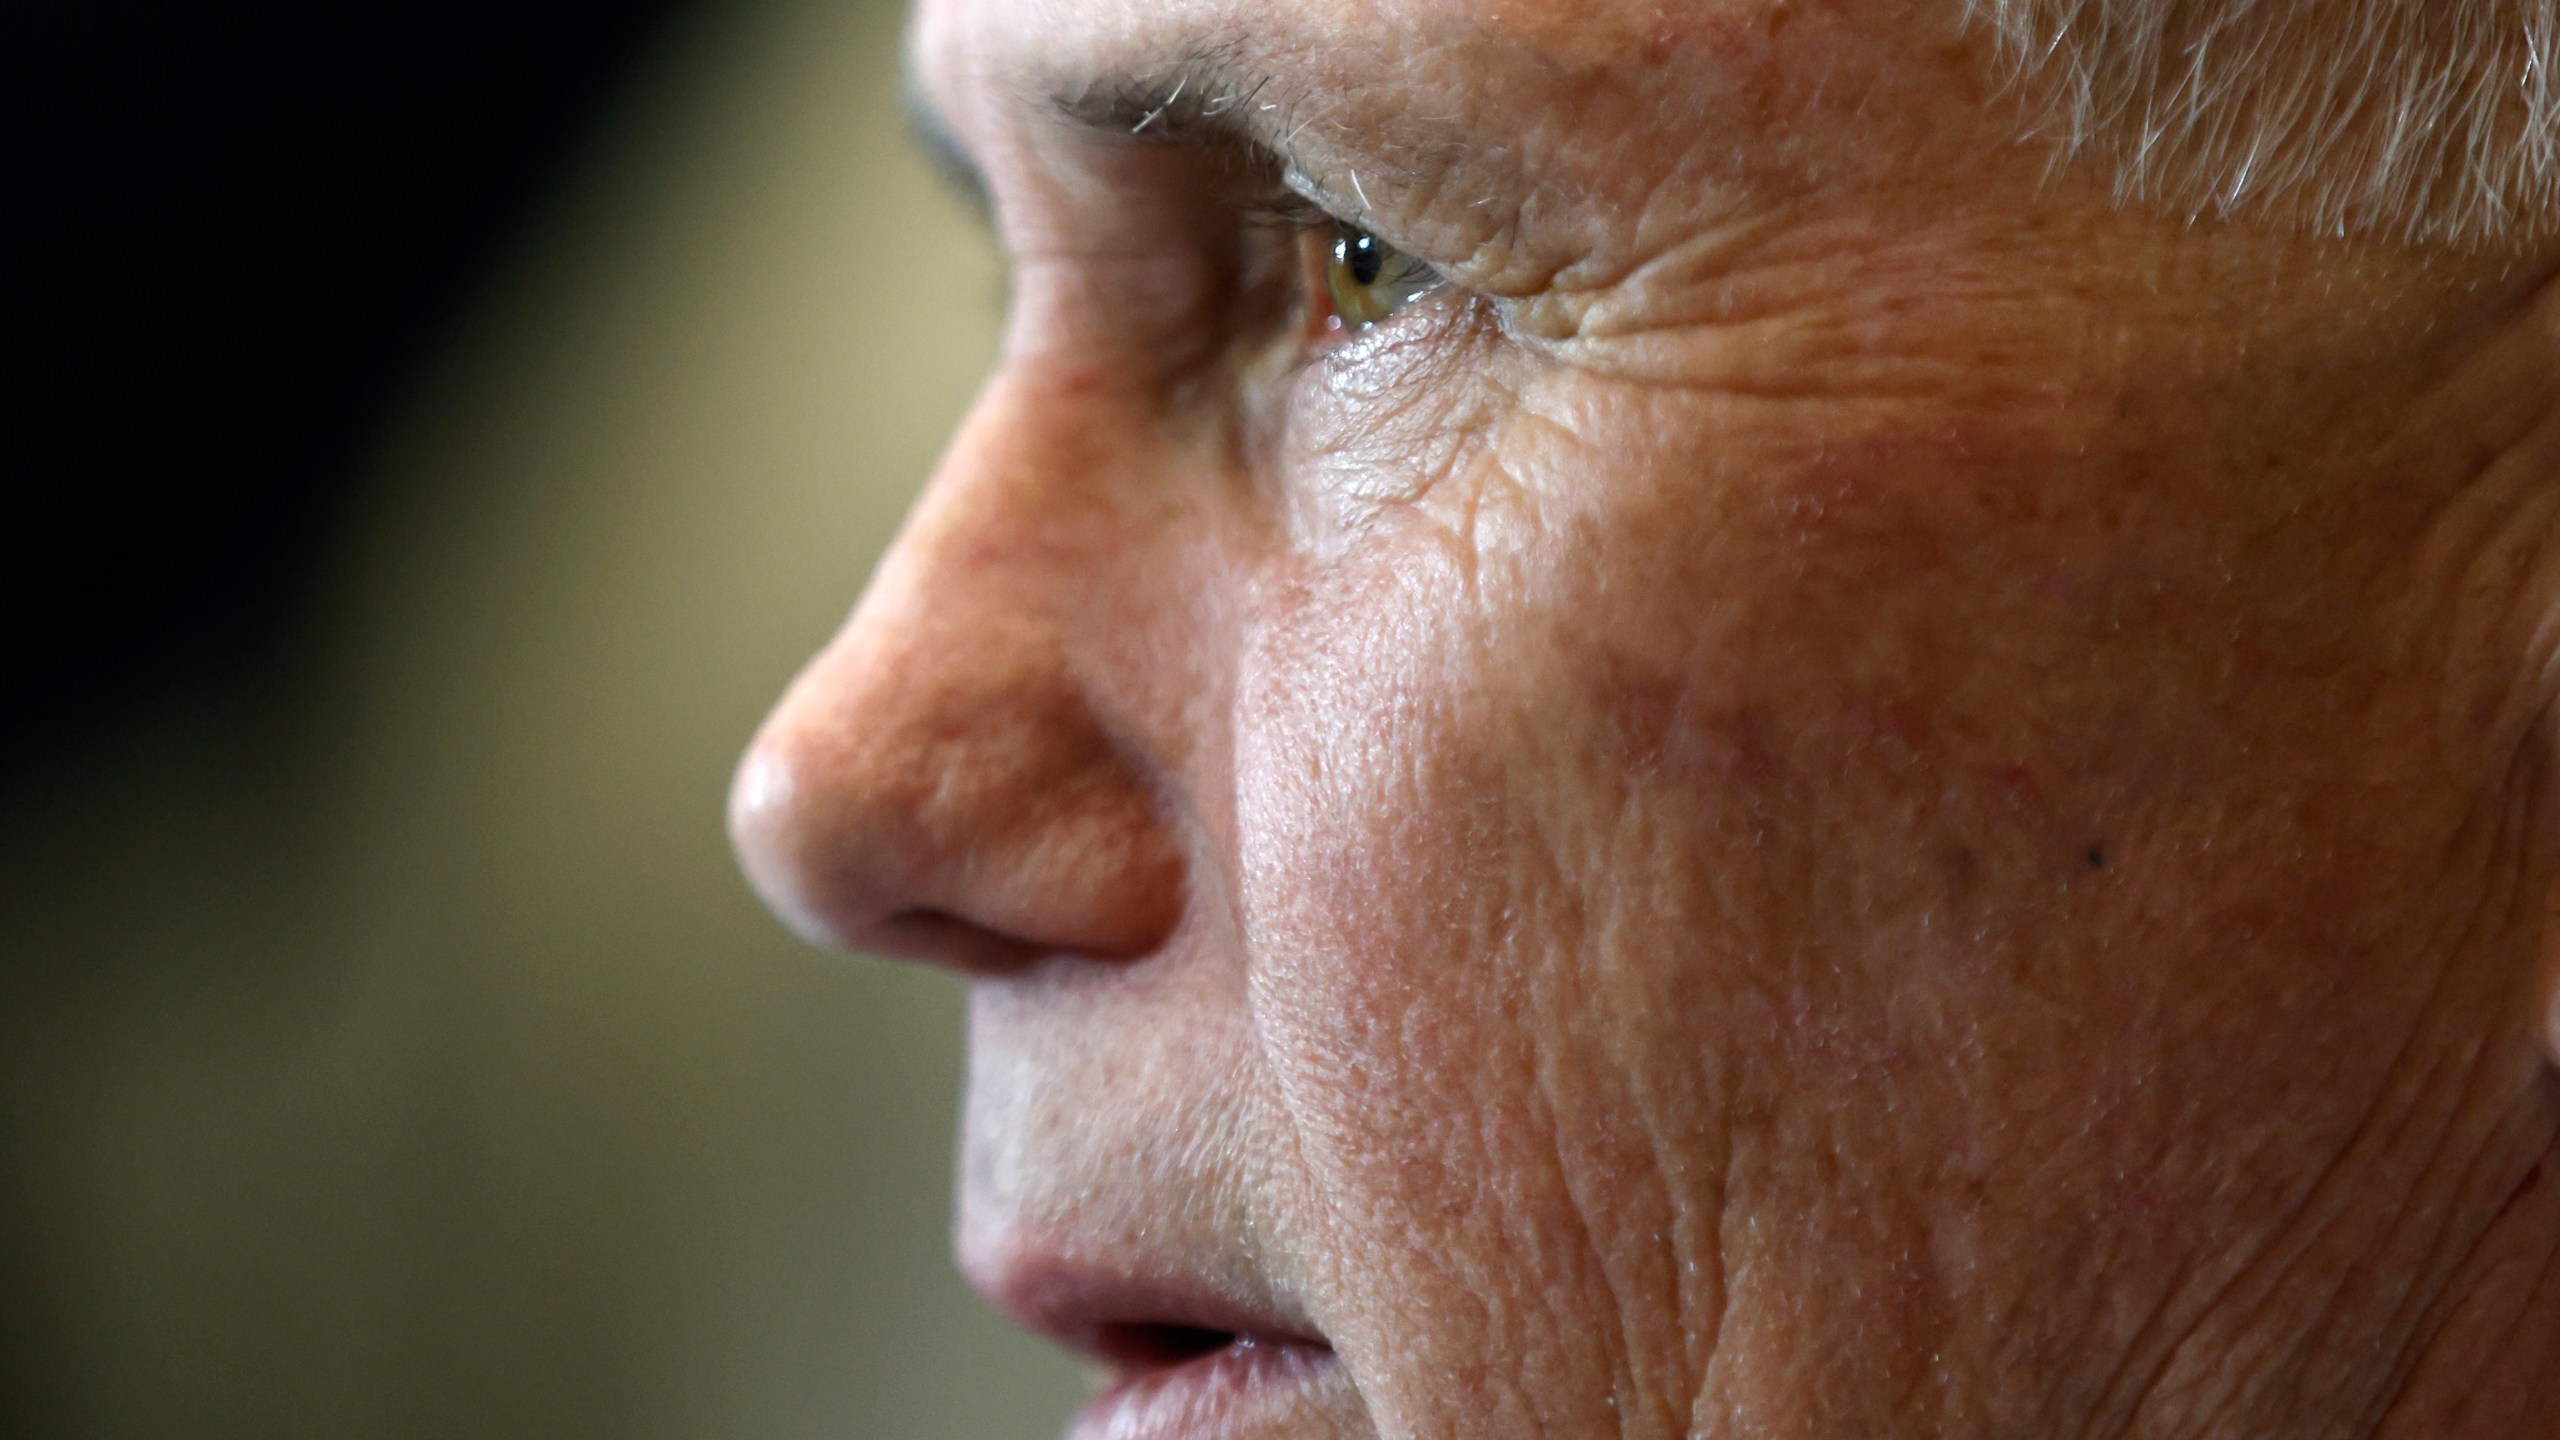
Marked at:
<point>1172,1380</point>
<point>1191,1343</point>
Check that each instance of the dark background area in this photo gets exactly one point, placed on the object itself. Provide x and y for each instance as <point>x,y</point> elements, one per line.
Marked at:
<point>441,432</point>
<point>241,226</point>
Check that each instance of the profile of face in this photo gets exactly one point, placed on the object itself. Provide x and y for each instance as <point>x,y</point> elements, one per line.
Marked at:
<point>1627,728</point>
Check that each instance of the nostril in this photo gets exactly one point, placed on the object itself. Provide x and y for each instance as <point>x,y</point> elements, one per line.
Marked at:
<point>805,876</point>
<point>938,803</point>
<point>935,935</point>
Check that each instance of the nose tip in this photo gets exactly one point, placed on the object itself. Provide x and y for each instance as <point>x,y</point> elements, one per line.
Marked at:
<point>763,813</point>
<point>937,808</point>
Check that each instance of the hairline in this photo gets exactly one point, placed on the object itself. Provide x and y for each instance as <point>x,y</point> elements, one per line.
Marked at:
<point>2435,123</point>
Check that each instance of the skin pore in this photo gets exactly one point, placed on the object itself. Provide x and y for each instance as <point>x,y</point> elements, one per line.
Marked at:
<point>1839,792</point>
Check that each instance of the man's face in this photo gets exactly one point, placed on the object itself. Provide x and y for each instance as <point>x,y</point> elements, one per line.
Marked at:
<point>1838,792</point>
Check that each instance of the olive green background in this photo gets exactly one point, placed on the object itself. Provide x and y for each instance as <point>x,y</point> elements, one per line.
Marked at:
<point>387,1044</point>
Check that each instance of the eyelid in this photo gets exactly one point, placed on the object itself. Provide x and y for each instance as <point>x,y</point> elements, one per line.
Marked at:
<point>1292,213</point>
<point>1281,208</point>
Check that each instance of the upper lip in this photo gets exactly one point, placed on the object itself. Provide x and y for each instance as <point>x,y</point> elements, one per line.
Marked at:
<point>1132,1324</point>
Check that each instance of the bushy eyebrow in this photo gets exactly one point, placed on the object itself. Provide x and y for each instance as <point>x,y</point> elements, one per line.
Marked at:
<point>1209,91</point>
<point>1208,99</point>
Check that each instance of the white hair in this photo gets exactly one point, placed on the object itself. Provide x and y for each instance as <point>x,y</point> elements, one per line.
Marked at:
<point>2432,121</point>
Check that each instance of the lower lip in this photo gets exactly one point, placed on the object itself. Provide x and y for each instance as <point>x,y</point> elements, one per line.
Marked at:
<point>1250,1388</point>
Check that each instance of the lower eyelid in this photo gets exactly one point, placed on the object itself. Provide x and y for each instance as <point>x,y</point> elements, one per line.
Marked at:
<point>1428,317</point>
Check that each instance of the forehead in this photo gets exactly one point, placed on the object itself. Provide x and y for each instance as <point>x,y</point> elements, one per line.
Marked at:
<point>1625,122</point>
<point>1030,31</point>
<point>967,54</point>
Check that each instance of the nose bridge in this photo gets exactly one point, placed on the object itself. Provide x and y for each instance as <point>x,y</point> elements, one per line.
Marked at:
<point>941,781</point>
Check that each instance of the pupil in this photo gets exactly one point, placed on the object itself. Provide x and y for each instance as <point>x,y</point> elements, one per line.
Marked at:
<point>1364,256</point>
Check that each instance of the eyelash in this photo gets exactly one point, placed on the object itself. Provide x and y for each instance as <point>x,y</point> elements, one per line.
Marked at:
<point>1280,208</point>
<point>1298,221</point>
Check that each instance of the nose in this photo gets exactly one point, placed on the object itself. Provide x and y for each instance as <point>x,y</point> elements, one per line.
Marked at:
<point>941,782</point>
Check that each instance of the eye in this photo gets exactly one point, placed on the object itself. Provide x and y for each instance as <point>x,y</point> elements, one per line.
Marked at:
<point>1368,279</point>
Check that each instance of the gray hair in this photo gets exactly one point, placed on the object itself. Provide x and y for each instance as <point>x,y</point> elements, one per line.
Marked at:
<point>2430,121</point>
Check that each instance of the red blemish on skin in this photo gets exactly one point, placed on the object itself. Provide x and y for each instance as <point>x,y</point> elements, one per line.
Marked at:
<point>2018,782</point>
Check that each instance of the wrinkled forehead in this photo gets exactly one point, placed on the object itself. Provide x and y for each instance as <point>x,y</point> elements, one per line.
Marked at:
<point>1611,99</point>
<point>1437,55</point>
<point>1036,34</point>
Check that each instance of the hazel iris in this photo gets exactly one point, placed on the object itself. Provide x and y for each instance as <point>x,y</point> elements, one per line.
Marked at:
<point>1369,279</point>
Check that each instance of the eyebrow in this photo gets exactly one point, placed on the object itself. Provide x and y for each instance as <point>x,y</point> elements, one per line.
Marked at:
<point>1207,93</point>
<point>1206,99</point>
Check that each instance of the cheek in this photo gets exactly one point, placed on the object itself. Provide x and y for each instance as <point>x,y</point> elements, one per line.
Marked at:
<point>1369,869</point>
<point>1623,854</point>
<point>1413,952</point>
<point>1515,868</point>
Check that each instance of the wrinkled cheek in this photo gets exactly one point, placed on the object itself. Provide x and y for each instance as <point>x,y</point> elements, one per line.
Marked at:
<point>1368,869</point>
<point>1415,965</point>
<point>1351,707</point>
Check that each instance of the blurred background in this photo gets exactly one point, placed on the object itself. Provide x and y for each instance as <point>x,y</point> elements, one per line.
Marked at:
<point>443,428</point>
